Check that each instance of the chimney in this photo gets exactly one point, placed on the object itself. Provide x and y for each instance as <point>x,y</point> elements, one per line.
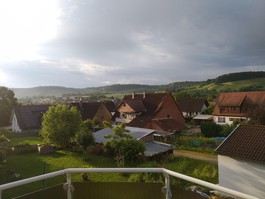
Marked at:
<point>133,95</point>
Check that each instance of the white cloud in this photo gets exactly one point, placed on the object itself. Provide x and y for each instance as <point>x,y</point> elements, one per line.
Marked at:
<point>90,43</point>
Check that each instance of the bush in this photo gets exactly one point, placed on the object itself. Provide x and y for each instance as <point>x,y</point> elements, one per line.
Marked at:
<point>96,150</point>
<point>211,129</point>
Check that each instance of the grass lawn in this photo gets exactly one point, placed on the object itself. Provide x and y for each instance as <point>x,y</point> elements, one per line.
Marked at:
<point>26,140</point>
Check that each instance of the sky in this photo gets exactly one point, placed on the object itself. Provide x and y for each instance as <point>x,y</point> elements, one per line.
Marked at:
<point>90,43</point>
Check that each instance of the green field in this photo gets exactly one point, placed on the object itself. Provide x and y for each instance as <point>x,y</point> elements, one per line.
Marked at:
<point>253,84</point>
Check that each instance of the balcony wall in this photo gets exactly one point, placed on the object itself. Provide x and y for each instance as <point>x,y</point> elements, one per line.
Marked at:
<point>111,190</point>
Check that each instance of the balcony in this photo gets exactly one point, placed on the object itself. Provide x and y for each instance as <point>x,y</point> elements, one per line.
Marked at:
<point>117,190</point>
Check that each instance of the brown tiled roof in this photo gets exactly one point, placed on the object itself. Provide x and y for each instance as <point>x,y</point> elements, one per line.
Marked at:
<point>192,105</point>
<point>136,105</point>
<point>245,142</point>
<point>151,101</point>
<point>244,100</point>
<point>110,105</point>
<point>29,116</point>
<point>168,124</point>
<point>88,110</point>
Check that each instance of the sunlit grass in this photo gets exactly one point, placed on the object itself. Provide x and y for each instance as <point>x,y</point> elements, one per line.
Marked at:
<point>26,140</point>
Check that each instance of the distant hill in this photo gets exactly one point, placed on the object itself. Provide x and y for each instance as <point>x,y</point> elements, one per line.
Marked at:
<point>232,77</point>
<point>243,81</point>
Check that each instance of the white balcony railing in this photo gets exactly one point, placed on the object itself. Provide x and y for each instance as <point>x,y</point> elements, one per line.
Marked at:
<point>167,173</point>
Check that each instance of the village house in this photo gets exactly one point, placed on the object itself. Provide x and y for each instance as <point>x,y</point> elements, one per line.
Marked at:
<point>157,111</point>
<point>94,111</point>
<point>27,117</point>
<point>241,160</point>
<point>152,147</point>
<point>237,106</point>
<point>191,107</point>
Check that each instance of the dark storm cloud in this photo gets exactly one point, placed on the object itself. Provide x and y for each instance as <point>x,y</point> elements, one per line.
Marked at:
<point>155,42</point>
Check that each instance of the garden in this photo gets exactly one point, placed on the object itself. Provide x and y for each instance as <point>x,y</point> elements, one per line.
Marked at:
<point>30,163</point>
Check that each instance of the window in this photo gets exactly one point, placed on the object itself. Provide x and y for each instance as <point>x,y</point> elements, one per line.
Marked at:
<point>234,109</point>
<point>221,119</point>
<point>222,110</point>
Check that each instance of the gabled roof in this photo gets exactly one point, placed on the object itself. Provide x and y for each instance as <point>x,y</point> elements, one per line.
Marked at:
<point>88,110</point>
<point>110,105</point>
<point>192,105</point>
<point>245,142</point>
<point>244,100</point>
<point>150,104</point>
<point>136,105</point>
<point>150,101</point>
<point>29,116</point>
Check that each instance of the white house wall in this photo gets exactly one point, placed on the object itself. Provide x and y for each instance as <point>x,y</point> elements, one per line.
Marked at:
<point>244,176</point>
<point>15,126</point>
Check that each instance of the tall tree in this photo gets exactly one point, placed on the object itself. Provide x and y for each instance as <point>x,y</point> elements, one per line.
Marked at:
<point>59,125</point>
<point>7,102</point>
<point>84,136</point>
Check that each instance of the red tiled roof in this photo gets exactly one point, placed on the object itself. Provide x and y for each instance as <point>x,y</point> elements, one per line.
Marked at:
<point>192,105</point>
<point>244,100</point>
<point>245,142</point>
<point>153,102</point>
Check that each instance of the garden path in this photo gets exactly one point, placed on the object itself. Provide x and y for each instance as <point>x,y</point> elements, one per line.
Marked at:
<point>195,155</point>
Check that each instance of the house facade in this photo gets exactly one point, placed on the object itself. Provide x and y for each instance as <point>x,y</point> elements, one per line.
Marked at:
<point>237,106</point>
<point>27,117</point>
<point>241,160</point>
<point>157,111</point>
<point>192,107</point>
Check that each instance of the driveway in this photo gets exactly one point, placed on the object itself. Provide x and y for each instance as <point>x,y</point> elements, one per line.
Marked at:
<point>195,155</point>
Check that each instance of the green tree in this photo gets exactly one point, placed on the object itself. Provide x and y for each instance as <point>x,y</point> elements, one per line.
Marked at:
<point>227,129</point>
<point>84,137</point>
<point>7,102</point>
<point>208,110</point>
<point>123,146</point>
<point>60,123</point>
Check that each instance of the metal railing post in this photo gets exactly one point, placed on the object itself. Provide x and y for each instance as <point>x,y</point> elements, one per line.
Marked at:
<point>0,194</point>
<point>69,192</point>
<point>167,186</point>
